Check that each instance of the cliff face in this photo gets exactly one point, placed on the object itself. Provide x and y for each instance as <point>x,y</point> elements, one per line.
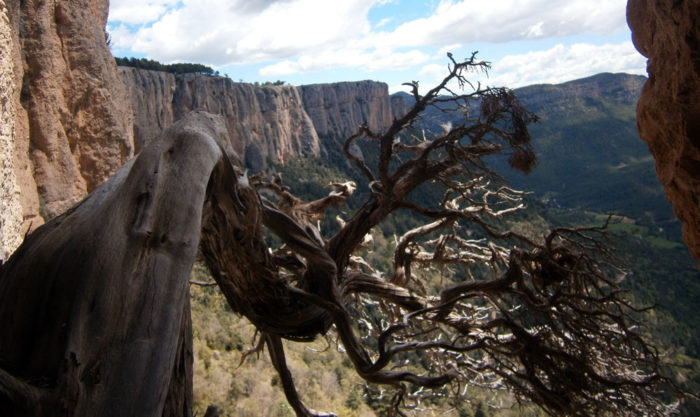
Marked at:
<point>668,114</point>
<point>10,204</point>
<point>338,109</point>
<point>73,121</point>
<point>266,123</point>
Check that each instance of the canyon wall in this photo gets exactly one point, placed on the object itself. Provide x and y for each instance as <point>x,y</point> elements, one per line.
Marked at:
<point>73,125</point>
<point>10,204</point>
<point>667,32</point>
<point>266,123</point>
<point>338,109</point>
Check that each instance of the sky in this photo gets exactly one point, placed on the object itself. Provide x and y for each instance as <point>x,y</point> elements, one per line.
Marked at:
<point>394,41</point>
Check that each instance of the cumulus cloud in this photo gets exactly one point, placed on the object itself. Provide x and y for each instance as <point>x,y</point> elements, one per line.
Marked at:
<point>563,63</point>
<point>236,32</point>
<point>507,20</point>
<point>138,11</point>
<point>298,36</point>
<point>368,61</point>
<point>551,66</point>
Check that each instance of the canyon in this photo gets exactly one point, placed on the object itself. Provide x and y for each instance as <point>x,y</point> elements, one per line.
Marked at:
<point>71,117</point>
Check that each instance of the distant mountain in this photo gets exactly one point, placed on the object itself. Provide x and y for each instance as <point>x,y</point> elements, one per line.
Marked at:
<point>589,151</point>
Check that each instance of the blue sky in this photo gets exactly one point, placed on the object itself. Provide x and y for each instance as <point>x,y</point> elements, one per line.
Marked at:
<point>394,41</point>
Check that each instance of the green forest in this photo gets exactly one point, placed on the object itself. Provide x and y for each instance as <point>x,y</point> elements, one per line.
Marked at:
<point>176,68</point>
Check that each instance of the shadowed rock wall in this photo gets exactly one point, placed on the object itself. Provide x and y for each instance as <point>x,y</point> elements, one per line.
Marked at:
<point>668,114</point>
<point>73,124</point>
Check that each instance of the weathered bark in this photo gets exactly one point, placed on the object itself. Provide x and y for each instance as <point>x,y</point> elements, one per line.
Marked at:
<point>180,394</point>
<point>94,304</point>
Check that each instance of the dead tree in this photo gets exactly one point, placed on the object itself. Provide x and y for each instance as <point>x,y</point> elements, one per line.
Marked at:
<point>94,304</point>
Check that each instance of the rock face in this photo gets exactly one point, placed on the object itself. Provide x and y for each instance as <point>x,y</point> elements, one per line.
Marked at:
<point>10,205</point>
<point>338,109</point>
<point>73,121</point>
<point>400,104</point>
<point>668,114</point>
<point>267,123</point>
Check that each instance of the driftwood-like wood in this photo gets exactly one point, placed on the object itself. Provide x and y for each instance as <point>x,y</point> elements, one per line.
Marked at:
<point>94,305</point>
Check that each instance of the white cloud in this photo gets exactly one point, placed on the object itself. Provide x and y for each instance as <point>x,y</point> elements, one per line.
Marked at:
<point>301,36</point>
<point>121,38</point>
<point>138,11</point>
<point>221,32</point>
<point>442,53</point>
<point>433,72</point>
<point>506,20</point>
<point>563,63</point>
<point>552,66</point>
<point>369,61</point>
<point>383,22</point>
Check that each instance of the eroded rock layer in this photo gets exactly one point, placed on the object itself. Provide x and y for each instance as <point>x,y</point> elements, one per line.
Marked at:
<point>668,114</point>
<point>267,123</point>
<point>74,125</point>
<point>338,109</point>
<point>10,205</point>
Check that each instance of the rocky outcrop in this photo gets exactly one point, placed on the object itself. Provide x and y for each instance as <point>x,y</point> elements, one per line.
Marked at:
<point>73,124</point>
<point>338,109</point>
<point>668,114</point>
<point>10,205</point>
<point>266,123</point>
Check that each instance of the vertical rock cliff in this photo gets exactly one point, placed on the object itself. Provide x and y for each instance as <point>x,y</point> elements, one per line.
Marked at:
<point>338,109</point>
<point>668,114</point>
<point>266,123</point>
<point>73,122</point>
<point>10,204</point>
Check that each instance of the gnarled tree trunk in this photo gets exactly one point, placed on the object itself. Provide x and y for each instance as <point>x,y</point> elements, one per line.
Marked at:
<point>94,304</point>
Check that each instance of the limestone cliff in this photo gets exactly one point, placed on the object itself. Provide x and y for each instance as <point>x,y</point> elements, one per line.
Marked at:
<point>668,114</point>
<point>10,205</point>
<point>73,121</point>
<point>338,109</point>
<point>266,123</point>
